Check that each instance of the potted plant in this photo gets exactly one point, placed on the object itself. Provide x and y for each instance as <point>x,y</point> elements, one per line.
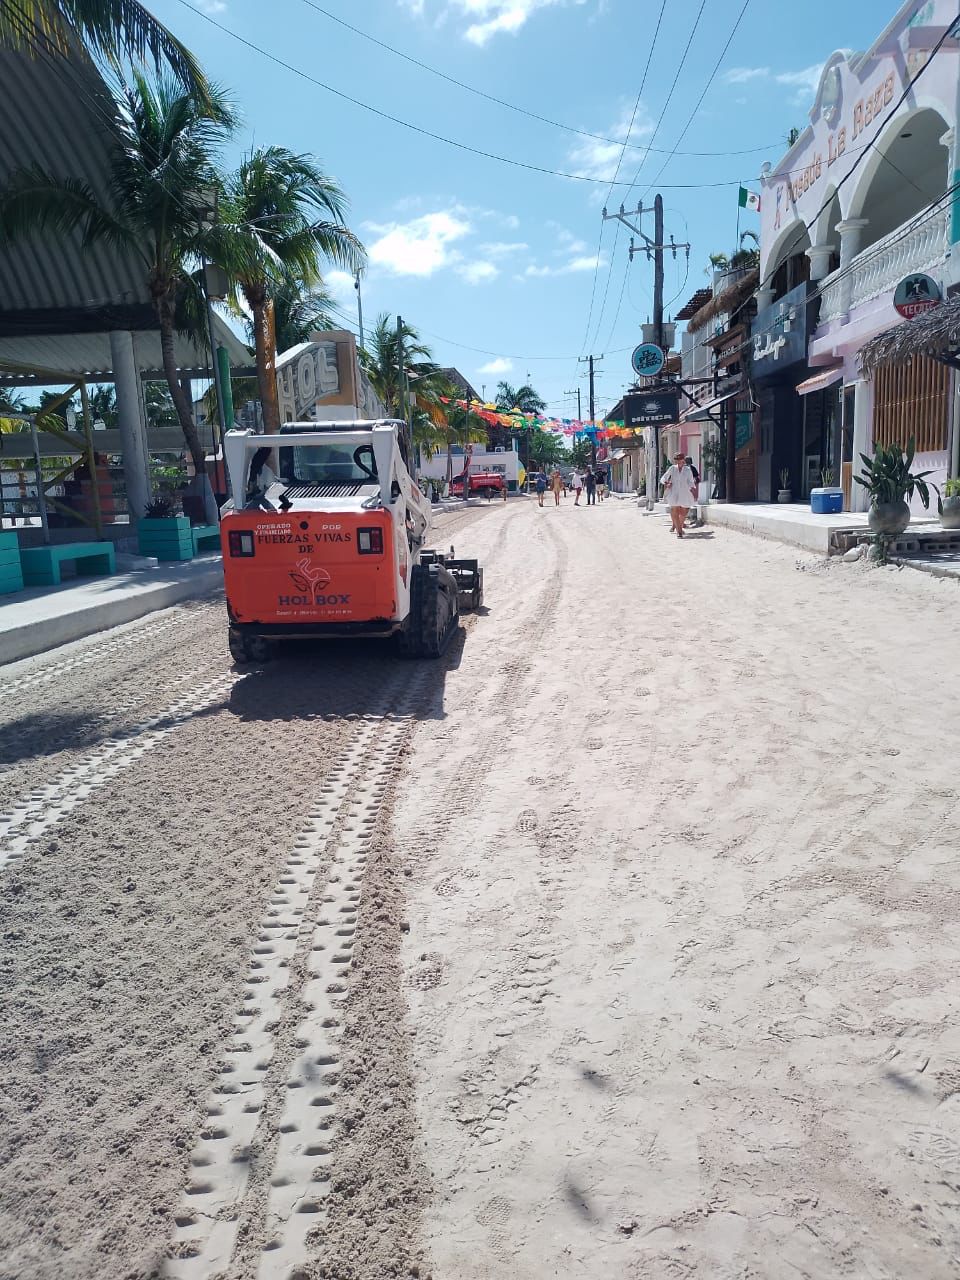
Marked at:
<point>785,494</point>
<point>889,481</point>
<point>950,506</point>
<point>162,533</point>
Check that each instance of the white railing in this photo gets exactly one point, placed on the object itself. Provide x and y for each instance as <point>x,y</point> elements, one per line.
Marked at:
<point>878,268</point>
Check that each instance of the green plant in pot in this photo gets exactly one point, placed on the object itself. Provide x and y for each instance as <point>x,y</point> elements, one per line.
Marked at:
<point>889,481</point>
<point>950,506</point>
<point>162,532</point>
<point>785,494</point>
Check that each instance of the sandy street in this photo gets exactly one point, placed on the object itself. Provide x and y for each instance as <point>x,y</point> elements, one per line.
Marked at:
<point>623,942</point>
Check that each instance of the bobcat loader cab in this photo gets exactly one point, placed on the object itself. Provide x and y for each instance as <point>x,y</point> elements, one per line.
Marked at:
<point>324,536</point>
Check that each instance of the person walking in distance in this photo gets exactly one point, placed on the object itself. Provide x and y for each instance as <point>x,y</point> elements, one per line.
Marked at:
<point>540,484</point>
<point>601,483</point>
<point>590,483</point>
<point>679,492</point>
<point>556,484</point>
<point>577,481</point>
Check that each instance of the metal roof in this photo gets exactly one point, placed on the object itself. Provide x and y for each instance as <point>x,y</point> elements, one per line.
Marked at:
<point>56,114</point>
<point>55,359</point>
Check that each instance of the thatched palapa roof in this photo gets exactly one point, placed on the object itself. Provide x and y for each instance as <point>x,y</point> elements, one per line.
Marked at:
<point>932,333</point>
<point>729,300</point>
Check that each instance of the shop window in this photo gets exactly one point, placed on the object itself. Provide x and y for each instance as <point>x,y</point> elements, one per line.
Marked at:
<point>912,400</point>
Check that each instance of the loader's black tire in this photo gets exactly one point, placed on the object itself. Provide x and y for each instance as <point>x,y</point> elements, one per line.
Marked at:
<point>246,649</point>
<point>434,612</point>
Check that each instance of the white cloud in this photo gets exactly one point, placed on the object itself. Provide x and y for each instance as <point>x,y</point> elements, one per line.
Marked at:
<point>500,248</point>
<point>740,75</point>
<point>486,18</point>
<point>598,159</point>
<point>804,81</point>
<point>212,6</point>
<point>584,262</point>
<point>418,247</point>
<point>498,366</point>
<point>477,272</point>
<point>340,284</point>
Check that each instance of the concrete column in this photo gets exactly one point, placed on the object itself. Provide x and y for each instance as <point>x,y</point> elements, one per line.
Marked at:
<point>820,255</point>
<point>133,427</point>
<point>862,440</point>
<point>851,237</point>
<point>764,298</point>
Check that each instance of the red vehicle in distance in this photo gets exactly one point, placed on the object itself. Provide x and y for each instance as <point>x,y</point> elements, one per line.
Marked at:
<point>485,484</point>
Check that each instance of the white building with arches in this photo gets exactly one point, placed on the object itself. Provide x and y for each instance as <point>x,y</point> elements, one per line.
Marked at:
<point>863,198</point>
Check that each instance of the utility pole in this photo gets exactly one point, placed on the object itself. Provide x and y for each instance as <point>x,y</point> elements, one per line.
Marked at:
<point>356,285</point>
<point>579,410</point>
<point>654,249</point>
<point>590,361</point>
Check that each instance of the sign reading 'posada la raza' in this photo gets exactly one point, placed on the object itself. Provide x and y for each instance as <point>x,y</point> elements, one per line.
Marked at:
<point>651,409</point>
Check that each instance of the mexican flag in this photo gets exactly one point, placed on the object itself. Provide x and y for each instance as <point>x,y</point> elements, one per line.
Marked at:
<point>749,200</point>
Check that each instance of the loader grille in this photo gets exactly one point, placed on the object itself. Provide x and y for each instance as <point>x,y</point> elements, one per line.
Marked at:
<point>324,490</point>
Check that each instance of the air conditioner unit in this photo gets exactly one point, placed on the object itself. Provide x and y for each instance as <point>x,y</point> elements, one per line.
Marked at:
<point>499,449</point>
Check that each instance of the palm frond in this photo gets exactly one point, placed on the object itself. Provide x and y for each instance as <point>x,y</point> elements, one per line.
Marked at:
<point>109,28</point>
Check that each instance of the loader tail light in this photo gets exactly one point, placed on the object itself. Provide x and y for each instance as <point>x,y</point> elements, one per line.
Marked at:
<point>370,541</point>
<point>241,542</point>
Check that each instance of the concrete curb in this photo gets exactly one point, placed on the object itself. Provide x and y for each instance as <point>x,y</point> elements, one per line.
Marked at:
<point>82,618</point>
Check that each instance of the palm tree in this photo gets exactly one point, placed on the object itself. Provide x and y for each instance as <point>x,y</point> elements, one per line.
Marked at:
<point>298,313</point>
<point>281,215</point>
<point>109,29</point>
<point>380,358</point>
<point>161,175</point>
<point>523,398</point>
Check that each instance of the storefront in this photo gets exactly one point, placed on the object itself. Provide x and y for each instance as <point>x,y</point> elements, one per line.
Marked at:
<point>778,357</point>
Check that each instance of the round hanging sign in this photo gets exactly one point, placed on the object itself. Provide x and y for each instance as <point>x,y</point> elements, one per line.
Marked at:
<point>915,294</point>
<point>647,360</point>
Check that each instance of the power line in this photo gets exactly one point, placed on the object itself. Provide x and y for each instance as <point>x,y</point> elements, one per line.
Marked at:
<point>428,133</point>
<point>616,174</point>
<point>512,106</point>
<point>663,112</point>
<point>690,119</point>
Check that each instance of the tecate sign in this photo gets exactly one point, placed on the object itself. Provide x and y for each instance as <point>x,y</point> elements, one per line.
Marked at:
<point>915,294</point>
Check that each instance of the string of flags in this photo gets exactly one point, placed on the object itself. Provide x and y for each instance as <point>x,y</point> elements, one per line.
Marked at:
<point>601,429</point>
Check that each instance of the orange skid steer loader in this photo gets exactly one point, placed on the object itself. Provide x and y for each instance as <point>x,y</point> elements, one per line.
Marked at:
<point>323,536</point>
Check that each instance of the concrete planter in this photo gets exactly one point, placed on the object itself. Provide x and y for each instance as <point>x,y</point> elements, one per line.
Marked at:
<point>889,518</point>
<point>167,539</point>
<point>785,495</point>
<point>950,516</point>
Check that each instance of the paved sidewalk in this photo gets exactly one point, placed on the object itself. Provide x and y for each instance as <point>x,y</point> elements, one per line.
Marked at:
<point>41,618</point>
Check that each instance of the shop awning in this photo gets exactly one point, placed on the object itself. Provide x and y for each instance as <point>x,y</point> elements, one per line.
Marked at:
<point>616,455</point>
<point>934,333</point>
<point>819,381</point>
<point>711,404</point>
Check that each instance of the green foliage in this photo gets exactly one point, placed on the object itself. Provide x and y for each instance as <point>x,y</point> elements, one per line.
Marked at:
<point>714,458</point>
<point>951,488</point>
<point>162,171</point>
<point>109,29</point>
<point>298,312</point>
<point>784,479</point>
<point>523,398</point>
<point>581,452</point>
<point>887,476</point>
<point>546,449</point>
<point>168,479</point>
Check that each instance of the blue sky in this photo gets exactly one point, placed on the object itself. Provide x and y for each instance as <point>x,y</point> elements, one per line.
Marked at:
<point>495,263</point>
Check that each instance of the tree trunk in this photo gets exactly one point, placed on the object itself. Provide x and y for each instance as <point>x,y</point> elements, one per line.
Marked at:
<point>264,337</point>
<point>181,401</point>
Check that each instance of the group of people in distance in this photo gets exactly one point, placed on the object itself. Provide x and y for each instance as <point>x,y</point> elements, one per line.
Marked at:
<point>680,483</point>
<point>593,480</point>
